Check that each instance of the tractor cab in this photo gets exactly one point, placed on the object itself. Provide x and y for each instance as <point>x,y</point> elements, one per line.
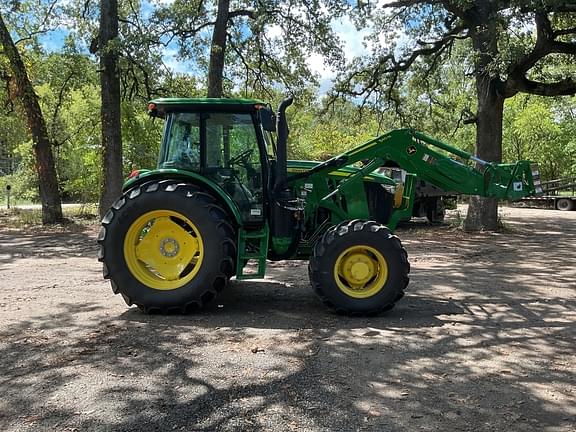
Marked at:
<point>222,140</point>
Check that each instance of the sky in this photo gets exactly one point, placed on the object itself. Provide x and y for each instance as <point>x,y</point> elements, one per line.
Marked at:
<point>352,39</point>
<point>344,28</point>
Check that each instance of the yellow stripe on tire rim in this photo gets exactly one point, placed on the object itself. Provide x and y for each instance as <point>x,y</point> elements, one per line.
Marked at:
<point>361,271</point>
<point>163,249</point>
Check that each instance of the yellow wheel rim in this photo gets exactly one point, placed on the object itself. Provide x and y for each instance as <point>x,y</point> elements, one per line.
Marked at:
<point>163,249</point>
<point>361,271</point>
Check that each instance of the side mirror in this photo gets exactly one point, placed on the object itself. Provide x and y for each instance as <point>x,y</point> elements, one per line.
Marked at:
<point>267,119</point>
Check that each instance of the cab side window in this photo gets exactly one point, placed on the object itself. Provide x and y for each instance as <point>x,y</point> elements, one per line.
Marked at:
<point>184,143</point>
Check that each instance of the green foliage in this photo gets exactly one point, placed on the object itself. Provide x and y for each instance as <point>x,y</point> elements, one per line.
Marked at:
<point>140,137</point>
<point>267,56</point>
<point>24,180</point>
<point>12,133</point>
<point>541,130</point>
<point>269,42</point>
<point>318,134</point>
<point>78,157</point>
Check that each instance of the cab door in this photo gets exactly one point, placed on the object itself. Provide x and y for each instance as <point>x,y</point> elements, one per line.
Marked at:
<point>232,159</point>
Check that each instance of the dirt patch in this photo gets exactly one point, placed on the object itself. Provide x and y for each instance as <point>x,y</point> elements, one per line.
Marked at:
<point>483,341</point>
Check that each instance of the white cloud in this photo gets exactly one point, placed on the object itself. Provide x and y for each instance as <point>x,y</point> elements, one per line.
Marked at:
<point>354,45</point>
<point>316,64</point>
<point>354,39</point>
<point>172,62</point>
<point>273,31</point>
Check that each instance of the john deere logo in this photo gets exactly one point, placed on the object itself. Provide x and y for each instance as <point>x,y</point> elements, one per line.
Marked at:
<point>411,150</point>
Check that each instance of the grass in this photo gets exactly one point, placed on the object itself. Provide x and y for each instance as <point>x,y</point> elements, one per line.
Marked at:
<point>74,216</point>
<point>14,202</point>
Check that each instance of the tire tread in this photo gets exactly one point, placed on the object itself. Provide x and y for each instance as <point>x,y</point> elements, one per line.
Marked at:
<point>315,271</point>
<point>213,209</point>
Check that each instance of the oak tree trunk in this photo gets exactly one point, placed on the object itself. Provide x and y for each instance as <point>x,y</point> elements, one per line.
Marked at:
<point>218,51</point>
<point>483,212</point>
<point>110,110</point>
<point>45,168</point>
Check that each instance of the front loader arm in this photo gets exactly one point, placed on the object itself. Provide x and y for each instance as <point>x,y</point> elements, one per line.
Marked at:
<point>446,167</point>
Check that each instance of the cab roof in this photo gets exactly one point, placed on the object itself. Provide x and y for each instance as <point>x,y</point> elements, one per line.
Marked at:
<point>159,107</point>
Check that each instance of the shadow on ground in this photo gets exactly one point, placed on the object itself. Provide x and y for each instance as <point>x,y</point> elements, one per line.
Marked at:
<point>388,373</point>
<point>268,356</point>
<point>15,245</point>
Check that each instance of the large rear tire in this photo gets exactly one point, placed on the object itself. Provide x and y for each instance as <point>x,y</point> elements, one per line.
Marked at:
<point>167,247</point>
<point>359,268</point>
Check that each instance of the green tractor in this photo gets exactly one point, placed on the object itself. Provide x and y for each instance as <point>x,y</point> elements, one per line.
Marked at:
<point>224,194</point>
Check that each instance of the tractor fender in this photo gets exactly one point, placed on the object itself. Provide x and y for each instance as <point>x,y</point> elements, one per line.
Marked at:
<point>206,184</point>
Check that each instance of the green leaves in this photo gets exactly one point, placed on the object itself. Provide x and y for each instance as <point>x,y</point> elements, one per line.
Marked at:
<point>542,130</point>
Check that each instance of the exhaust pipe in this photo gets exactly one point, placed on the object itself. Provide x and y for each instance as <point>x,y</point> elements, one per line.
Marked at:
<point>281,172</point>
<point>283,224</point>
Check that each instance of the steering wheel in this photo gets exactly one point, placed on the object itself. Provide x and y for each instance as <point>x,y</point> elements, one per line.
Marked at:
<point>241,157</point>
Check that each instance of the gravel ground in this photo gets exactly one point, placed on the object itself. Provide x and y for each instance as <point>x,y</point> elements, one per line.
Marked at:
<point>483,341</point>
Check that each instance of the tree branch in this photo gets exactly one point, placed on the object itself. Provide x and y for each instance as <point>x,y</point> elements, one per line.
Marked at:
<point>450,6</point>
<point>389,65</point>
<point>542,47</point>
<point>408,3</point>
<point>545,45</point>
<point>565,87</point>
<point>59,104</point>
<point>242,12</point>
<point>562,47</point>
<point>565,32</point>
<point>41,29</point>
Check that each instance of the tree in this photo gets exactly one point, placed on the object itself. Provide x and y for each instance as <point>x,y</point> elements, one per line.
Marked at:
<point>254,45</point>
<point>506,59</point>
<point>108,44</point>
<point>24,90</point>
<point>542,131</point>
<point>218,50</point>
<point>319,133</point>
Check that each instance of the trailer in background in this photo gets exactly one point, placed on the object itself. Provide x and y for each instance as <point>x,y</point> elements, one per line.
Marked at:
<point>559,194</point>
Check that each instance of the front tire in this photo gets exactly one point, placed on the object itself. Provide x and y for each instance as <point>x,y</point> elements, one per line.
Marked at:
<point>167,247</point>
<point>359,268</point>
